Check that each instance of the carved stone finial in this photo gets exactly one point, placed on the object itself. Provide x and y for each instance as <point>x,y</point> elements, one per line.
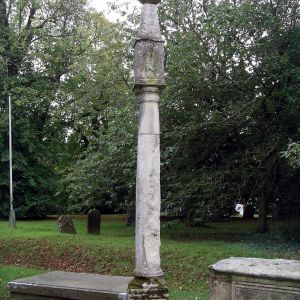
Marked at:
<point>150,1</point>
<point>149,48</point>
<point>149,24</point>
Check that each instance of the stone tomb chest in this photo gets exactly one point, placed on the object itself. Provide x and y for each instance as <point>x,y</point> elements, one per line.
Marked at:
<point>255,279</point>
<point>75,286</point>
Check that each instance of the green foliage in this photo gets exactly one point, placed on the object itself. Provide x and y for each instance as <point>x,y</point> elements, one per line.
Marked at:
<point>292,154</point>
<point>33,61</point>
<point>98,101</point>
<point>231,103</point>
<point>45,48</point>
<point>104,174</point>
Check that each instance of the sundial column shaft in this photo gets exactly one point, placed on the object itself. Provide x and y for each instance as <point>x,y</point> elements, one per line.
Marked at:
<point>148,185</point>
<point>149,82</point>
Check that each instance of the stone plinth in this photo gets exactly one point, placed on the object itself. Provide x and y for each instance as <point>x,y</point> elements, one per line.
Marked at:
<point>255,279</point>
<point>75,286</point>
<point>148,288</point>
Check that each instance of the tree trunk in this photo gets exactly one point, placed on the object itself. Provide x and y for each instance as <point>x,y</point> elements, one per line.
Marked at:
<point>264,206</point>
<point>267,195</point>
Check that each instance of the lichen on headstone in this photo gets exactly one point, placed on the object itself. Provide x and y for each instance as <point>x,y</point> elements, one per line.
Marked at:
<point>65,225</point>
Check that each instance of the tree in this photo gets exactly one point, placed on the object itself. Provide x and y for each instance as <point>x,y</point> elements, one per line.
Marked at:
<point>39,43</point>
<point>98,103</point>
<point>227,109</point>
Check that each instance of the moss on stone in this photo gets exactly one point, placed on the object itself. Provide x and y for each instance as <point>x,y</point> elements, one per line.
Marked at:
<point>137,289</point>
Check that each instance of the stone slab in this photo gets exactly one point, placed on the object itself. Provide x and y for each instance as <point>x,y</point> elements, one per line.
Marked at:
<point>257,267</point>
<point>255,279</point>
<point>75,286</point>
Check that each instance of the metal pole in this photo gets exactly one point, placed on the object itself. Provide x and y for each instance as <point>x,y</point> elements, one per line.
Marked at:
<point>12,216</point>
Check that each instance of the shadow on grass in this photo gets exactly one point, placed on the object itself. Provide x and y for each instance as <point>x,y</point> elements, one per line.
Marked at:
<point>231,230</point>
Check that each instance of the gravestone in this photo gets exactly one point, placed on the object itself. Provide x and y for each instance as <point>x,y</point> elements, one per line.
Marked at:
<point>249,212</point>
<point>94,221</point>
<point>65,225</point>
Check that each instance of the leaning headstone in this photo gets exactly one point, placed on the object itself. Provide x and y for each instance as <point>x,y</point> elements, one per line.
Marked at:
<point>94,221</point>
<point>249,212</point>
<point>65,225</point>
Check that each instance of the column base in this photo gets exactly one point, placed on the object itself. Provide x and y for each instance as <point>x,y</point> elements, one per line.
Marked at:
<point>148,288</point>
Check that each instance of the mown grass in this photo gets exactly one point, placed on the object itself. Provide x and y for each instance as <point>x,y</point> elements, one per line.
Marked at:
<point>8,273</point>
<point>186,252</point>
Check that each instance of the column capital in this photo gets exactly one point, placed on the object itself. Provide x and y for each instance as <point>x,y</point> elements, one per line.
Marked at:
<point>147,94</point>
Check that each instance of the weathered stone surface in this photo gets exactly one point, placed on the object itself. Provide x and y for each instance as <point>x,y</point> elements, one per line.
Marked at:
<point>145,288</point>
<point>258,267</point>
<point>149,63</point>
<point>260,291</point>
<point>149,24</point>
<point>149,50</point>
<point>65,225</point>
<point>76,286</point>
<point>255,279</point>
<point>94,221</point>
<point>148,186</point>
<point>149,81</point>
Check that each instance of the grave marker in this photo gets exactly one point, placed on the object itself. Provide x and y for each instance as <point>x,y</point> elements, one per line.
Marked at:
<point>65,225</point>
<point>94,221</point>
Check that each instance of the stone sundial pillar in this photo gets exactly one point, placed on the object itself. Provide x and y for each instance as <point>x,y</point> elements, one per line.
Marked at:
<point>149,82</point>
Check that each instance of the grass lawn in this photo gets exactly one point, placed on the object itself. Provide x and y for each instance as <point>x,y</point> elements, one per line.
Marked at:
<point>36,246</point>
<point>8,273</point>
